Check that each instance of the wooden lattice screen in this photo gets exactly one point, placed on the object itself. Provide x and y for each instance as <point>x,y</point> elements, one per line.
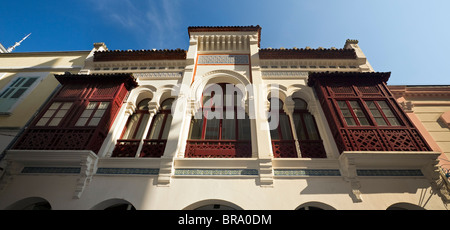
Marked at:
<point>78,91</point>
<point>361,88</point>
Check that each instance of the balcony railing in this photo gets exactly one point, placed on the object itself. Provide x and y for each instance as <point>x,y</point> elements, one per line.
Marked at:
<point>129,148</point>
<point>153,148</point>
<point>284,149</point>
<point>218,149</point>
<point>126,148</point>
<point>308,149</point>
<point>312,149</point>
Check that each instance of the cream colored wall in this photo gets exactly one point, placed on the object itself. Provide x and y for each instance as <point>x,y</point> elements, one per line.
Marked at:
<point>43,59</point>
<point>183,192</point>
<point>31,103</point>
<point>43,65</point>
<point>429,113</point>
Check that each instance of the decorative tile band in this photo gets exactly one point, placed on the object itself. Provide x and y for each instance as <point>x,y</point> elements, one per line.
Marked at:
<point>223,59</point>
<point>389,172</point>
<point>139,171</point>
<point>65,170</point>
<point>216,172</point>
<point>306,172</point>
<point>159,75</point>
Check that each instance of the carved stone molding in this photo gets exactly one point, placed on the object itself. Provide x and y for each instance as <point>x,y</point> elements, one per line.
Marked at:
<point>158,75</point>
<point>283,74</point>
<point>223,59</point>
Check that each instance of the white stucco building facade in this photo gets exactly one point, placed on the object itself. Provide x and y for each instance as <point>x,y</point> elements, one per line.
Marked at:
<point>248,168</point>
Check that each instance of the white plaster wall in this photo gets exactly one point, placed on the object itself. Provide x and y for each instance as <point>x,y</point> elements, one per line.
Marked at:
<point>286,194</point>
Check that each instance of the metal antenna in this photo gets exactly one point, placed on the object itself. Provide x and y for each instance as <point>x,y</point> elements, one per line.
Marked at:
<point>10,49</point>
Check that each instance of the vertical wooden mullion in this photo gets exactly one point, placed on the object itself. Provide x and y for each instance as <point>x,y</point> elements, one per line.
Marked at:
<point>93,112</point>
<point>204,124</point>
<point>355,118</point>
<point>54,114</point>
<point>382,112</point>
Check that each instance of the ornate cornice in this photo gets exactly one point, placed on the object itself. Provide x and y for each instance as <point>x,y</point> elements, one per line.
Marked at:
<point>197,29</point>
<point>139,55</point>
<point>353,77</point>
<point>296,53</point>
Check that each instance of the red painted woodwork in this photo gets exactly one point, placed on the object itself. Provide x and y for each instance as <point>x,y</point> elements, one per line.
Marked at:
<point>129,148</point>
<point>126,148</point>
<point>153,148</point>
<point>218,149</point>
<point>80,90</point>
<point>312,149</point>
<point>363,87</point>
<point>284,149</point>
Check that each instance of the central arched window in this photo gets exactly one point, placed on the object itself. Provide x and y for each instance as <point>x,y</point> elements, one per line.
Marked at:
<point>222,127</point>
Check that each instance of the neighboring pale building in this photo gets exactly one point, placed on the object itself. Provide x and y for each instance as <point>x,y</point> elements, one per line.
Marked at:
<point>26,82</point>
<point>225,124</point>
<point>428,106</point>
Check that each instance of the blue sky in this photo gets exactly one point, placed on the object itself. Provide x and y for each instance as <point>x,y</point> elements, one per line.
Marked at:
<point>408,38</point>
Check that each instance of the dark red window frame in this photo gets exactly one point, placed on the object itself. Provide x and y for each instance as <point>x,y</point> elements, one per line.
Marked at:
<point>387,119</point>
<point>351,109</point>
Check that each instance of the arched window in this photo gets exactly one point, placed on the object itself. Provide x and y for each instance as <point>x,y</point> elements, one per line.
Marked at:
<point>283,144</point>
<point>133,132</point>
<point>307,133</point>
<point>222,127</point>
<point>155,142</point>
<point>135,126</point>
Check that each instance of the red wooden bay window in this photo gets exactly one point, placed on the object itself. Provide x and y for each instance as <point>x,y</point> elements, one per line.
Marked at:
<point>80,115</point>
<point>363,114</point>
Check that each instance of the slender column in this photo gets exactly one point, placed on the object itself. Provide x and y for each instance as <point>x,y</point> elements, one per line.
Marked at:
<point>289,110</point>
<point>153,108</point>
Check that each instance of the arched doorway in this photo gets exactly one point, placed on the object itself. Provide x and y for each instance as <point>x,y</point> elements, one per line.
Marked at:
<point>404,206</point>
<point>31,203</point>
<point>213,205</point>
<point>114,204</point>
<point>315,206</point>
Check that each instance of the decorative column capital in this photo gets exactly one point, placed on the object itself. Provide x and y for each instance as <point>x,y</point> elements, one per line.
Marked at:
<point>130,109</point>
<point>153,107</point>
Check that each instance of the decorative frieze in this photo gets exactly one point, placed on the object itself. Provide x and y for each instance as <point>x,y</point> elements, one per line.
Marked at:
<point>284,74</point>
<point>158,75</point>
<point>223,59</point>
